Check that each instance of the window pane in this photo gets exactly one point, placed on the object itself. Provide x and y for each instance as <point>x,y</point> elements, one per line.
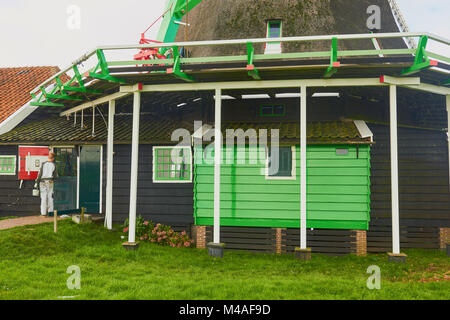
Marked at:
<point>280,163</point>
<point>274,29</point>
<point>172,164</point>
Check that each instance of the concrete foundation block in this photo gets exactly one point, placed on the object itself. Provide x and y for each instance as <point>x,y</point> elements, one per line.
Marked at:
<point>397,258</point>
<point>216,249</point>
<point>303,254</point>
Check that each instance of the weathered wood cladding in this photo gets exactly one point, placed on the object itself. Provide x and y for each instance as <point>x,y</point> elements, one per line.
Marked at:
<point>249,239</point>
<point>423,176</point>
<point>338,191</point>
<point>167,203</point>
<point>423,185</point>
<point>263,240</point>
<point>325,241</point>
<point>16,201</point>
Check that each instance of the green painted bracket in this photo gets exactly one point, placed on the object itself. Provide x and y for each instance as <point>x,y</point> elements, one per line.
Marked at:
<point>81,87</point>
<point>334,63</point>
<point>252,71</point>
<point>176,70</point>
<point>104,75</point>
<point>60,85</point>
<point>421,60</point>
<point>82,90</point>
<point>446,82</point>
<point>57,96</point>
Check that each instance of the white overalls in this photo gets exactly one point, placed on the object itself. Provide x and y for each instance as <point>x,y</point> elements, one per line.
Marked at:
<point>46,182</point>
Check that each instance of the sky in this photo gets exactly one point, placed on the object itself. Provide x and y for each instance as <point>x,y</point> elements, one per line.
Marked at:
<point>47,32</point>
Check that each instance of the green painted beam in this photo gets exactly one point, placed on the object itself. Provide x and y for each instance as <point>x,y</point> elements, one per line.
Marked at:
<point>63,97</point>
<point>46,104</point>
<point>82,90</point>
<point>334,63</point>
<point>259,57</point>
<point>106,78</point>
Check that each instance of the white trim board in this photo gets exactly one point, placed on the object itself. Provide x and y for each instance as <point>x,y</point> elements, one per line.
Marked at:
<point>293,176</point>
<point>17,117</point>
<point>363,129</point>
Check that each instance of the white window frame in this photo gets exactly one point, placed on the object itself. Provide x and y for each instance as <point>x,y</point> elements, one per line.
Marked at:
<point>172,181</point>
<point>15,165</point>
<point>293,176</point>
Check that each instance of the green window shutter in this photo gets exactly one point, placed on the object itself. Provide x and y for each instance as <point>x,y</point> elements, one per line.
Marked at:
<point>284,161</point>
<point>7,165</point>
<point>172,164</point>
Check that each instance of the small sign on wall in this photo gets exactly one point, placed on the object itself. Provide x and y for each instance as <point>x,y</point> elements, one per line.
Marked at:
<point>30,161</point>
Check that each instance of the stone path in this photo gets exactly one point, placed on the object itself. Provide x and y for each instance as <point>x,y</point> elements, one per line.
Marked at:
<point>25,221</point>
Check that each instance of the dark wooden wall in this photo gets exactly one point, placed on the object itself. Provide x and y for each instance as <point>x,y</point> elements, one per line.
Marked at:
<point>423,184</point>
<point>167,203</point>
<point>14,201</point>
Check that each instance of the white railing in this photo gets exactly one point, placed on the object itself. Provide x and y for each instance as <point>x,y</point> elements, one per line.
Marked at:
<point>363,36</point>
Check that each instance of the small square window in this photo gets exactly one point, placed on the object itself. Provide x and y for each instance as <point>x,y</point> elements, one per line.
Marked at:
<point>172,164</point>
<point>7,165</point>
<point>272,111</point>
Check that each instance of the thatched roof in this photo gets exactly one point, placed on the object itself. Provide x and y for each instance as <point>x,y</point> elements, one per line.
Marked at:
<point>241,19</point>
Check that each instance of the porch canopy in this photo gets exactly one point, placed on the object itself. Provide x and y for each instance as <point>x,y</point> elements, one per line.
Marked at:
<point>111,80</point>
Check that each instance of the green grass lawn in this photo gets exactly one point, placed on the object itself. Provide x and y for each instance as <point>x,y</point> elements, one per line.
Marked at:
<point>34,262</point>
<point>7,218</point>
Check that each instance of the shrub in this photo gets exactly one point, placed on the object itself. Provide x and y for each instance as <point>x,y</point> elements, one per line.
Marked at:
<point>160,234</point>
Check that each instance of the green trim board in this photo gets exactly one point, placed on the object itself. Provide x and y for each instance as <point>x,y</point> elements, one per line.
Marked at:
<point>338,195</point>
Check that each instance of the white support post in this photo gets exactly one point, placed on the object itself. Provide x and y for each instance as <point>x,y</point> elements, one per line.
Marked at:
<point>448,135</point>
<point>394,171</point>
<point>110,163</point>
<point>303,187</point>
<point>134,168</point>
<point>217,162</point>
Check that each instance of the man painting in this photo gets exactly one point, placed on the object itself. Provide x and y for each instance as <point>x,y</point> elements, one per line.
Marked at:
<point>45,180</point>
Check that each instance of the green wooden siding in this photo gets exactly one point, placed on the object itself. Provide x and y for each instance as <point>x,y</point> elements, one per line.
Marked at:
<point>338,194</point>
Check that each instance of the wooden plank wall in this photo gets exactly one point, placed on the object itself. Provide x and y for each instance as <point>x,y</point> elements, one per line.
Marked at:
<point>423,184</point>
<point>249,239</point>
<point>166,203</point>
<point>338,190</point>
<point>324,241</point>
<point>14,201</point>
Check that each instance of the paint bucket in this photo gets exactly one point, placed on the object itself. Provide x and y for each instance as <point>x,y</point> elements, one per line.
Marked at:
<point>35,192</point>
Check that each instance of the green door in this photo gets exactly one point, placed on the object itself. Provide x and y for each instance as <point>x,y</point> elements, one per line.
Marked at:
<point>65,189</point>
<point>90,159</point>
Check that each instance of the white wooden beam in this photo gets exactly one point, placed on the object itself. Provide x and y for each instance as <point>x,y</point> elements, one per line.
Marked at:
<point>134,167</point>
<point>263,84</point>
<point>94,103</point>
<point>430,88</point>
<point>399,81</point>
<point>394,171</point>
<point>217,163</point>
<point>448,134</point>
<point>303,185</point>
<point>110,164</point>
